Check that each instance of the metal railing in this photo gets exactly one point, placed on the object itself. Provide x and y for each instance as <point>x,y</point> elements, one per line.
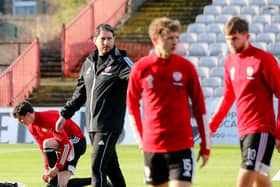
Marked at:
<point>21,77</point>
<point>77,35</point>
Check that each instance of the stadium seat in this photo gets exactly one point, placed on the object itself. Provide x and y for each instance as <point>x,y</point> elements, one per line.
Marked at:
<point>256,28</point>
<point>278,37</point>
<point>188,37</point>
<point>212,10</point>
<point>221,38</point>
<point>269,10</point>
<point>272,27</point>
<point>217,72</point>
<point>205,18</point>
<point>193,59</point>
<point>218,92</point>
<point>217,49</point>
<point>182,49</point>
<point>231,10</point>
<point>260,3</point>
<point>212,82</point>
<point>239,2</point>
<point>252,10</point>
<point>274,2</point>
<point>262,18</point>
<point>252,37</point>
<point>207,37</point>
<point>275,18</point>
<point>274,48</point>
<point>203,72</point>
<point>208,61</point>
<point>221,2</point>
<point>260,45</point>
<point>221,60</point>
<point>267,37</point>
<point>223,18</point>
<point>215,28</point>
<point>198,49</point>
<point>247,17</point>
<point>196,27</point>
<point>208,91</point>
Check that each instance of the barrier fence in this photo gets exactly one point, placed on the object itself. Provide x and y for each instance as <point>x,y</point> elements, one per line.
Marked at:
<point>77,35</point>
<point>21,77</point>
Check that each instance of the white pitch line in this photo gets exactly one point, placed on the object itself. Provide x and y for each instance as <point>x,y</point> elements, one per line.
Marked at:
<point>18,150</point>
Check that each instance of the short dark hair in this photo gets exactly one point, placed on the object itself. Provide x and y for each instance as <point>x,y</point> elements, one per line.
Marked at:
<point>236,24</point>
<point>22,108</point>
<point>105,27</point>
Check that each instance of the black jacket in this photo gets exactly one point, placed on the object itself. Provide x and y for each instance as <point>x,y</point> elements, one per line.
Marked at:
<point>103,91</point>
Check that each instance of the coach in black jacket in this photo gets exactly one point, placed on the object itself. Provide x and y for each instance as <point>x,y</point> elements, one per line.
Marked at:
<point>102,86</point>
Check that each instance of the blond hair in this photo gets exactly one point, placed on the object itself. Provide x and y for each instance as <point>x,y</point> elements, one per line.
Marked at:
<point>161,25</point>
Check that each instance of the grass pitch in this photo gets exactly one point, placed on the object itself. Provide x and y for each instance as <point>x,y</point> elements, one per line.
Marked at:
<point>23,163</point>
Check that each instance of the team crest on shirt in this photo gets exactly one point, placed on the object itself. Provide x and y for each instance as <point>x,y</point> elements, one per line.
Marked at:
<point>44,130</point>
<point>107,71</point>
<point>177,76</point>
<point>250,72</point>
<point>232,72</point>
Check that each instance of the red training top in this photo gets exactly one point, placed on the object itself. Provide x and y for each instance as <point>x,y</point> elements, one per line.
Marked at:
<point>251,78</point>
<point>165,86</point>
<point>43,128</point>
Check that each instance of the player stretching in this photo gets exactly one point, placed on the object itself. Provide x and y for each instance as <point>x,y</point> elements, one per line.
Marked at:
<point>70,144</point>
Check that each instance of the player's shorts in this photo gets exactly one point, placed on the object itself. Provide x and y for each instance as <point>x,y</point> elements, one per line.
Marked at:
<point>78,149</point>
<point>256,150</point>
<point>163,167</point>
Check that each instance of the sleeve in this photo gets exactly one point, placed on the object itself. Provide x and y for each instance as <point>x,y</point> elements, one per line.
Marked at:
<point>66,148</point>
<point>225,103</point>
<point>78,98</point>
<point>133,96</point>
<point>124,73</point>
<point>39,141</point>
<point>271,74</point>
<point>199,111</point>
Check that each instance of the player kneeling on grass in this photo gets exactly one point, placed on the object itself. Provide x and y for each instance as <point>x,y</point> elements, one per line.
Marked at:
<point>61,151</point>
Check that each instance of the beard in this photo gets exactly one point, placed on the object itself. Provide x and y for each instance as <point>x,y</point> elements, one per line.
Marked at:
<point>238,49</point>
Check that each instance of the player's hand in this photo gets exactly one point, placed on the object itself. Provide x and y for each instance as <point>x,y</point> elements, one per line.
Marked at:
<point>277,145</point>
<point>59,124</point>
<point>204,159</point>
<point>45,178</point>
<point>52,172</point>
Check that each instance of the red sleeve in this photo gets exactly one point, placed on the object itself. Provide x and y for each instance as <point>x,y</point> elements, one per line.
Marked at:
<point>39,141</point>
<point>271,73</point>
<point>199,111</point>
<point>225,103</point>
<point>62,138</point>
<point>133,97</point>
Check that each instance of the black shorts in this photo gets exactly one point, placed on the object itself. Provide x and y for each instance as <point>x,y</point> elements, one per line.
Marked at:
<point>256,150</point>
<point>78,149</point>
<point>163,167</point>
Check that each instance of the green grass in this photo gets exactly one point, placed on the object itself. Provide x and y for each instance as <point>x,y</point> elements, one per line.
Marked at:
<point>23,163</point>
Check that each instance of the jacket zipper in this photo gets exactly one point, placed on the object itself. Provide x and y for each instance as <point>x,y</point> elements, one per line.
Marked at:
<point>91,99</point>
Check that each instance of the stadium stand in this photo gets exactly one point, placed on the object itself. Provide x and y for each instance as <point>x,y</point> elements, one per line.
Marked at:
<point>209,51</point>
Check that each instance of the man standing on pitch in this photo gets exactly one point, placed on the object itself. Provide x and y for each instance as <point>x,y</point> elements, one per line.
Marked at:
<point>102,87</point>
<point>166,81</point>
<point>251,77</point>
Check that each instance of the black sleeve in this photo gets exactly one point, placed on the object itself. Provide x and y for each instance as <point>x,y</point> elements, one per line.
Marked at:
<point>125,70</point>
<point>78,98</point>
